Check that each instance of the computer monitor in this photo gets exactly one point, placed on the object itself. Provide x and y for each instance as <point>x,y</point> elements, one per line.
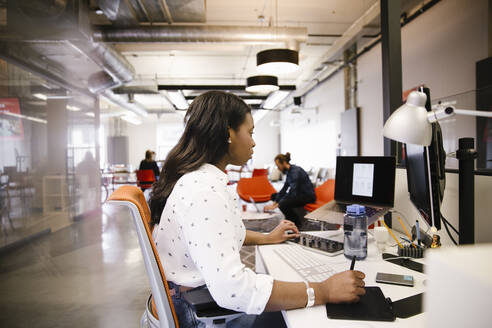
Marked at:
<point>366,180</point>
<point>420,172</point>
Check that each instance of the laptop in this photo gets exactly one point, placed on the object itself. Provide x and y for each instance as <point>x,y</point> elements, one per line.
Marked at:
<point>363,180</point>
<point>257,208</point>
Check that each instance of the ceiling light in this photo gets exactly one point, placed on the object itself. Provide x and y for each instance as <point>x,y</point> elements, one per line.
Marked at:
<point>90,114</point>
<point>178,99</point>
<point>277,61</point>
<point>274,99</point>
<point>40,96</point>
<point>262,84</point>
<point>73,108</point>
<point>131,119</point>
<point>26,117</point>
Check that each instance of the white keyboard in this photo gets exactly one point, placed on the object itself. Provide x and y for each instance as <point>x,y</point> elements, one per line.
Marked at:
<point>308,266</point>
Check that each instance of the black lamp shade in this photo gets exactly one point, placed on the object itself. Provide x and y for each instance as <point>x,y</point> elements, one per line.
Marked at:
<point>277,61</point>
<point>262,84</point>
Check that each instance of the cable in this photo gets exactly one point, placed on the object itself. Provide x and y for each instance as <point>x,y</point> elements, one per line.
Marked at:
<point>402,215</point>
<point>444,220</point>
<point>449,234</point>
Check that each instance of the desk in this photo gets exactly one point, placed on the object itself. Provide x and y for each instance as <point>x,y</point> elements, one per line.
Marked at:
<point>267,261</point>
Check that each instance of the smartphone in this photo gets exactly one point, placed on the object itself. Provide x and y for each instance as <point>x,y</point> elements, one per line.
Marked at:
<point>394,279</point>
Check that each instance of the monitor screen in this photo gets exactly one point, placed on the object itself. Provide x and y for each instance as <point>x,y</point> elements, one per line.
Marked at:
<point>418,174</point>
<point>365,180</point>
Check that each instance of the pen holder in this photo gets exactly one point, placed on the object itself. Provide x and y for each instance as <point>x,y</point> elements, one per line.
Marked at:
<point>410,251</point>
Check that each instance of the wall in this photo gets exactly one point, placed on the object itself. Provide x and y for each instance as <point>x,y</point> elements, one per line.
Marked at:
<point>311,136</point>
<point>267,139</point>
<point>449,207</point>
<point>140,138</point>
<point>439,48</point>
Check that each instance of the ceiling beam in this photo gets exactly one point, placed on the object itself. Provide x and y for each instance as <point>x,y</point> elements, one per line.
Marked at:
<point>215,87</point>
<point>248,97</point>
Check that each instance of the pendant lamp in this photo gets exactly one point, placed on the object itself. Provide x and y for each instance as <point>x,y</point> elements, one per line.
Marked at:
<point>262,84</point>
<point>277,61</point>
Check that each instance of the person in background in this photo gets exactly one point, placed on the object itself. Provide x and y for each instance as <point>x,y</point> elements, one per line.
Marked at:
<point>198,231</point>
<point>296,192</point>
<point>149,163</point>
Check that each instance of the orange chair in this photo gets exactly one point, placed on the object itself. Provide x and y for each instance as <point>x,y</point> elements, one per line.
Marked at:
<point>260,172</point>
<point>324,193</point>
<point>145,179</point>
<point>160,312</point>
<point>258,188</point>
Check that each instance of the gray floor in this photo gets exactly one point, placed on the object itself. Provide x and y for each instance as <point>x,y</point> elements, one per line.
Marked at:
<point>88,274</point>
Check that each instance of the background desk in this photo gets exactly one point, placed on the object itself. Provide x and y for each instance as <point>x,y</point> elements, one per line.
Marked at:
<point>267,261</point>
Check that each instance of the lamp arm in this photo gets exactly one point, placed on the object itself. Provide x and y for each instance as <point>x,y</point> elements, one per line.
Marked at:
<point>473,112</point>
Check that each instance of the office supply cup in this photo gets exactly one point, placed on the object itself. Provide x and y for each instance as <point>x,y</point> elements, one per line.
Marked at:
<point>381,235</point>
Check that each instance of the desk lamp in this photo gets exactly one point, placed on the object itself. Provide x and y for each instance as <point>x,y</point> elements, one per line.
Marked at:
<point>412,123</point>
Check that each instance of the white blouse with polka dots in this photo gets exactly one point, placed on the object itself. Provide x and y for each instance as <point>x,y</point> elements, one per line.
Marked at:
<point>199,238</point>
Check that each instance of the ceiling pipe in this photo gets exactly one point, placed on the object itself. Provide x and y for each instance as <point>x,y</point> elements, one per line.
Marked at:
<point>292,36</point>
<point>122,101</point>
<point>26,61</point>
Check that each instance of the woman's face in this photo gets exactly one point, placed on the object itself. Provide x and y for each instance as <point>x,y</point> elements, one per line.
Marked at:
<point>242,143</point>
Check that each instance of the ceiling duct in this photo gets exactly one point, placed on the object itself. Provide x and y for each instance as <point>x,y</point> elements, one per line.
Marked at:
<point>122,101</point>
<point>188,33</point>
<point>67,23</point>
<point>133,12</point>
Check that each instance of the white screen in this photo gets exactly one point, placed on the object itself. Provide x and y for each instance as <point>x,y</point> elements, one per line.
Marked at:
<point>363,178</point>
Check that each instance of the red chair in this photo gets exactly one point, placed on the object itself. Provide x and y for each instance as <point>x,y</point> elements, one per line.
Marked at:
<point>260,172</point>
<point>145,179</point>
<point>324,193</point>
<point>258,188</point>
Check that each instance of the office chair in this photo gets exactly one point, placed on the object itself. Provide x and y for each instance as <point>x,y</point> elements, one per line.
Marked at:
<point>159,312</point>
<point>145,179</point>
<point>324,193</point>
<point>258,188</point>
<point>259,172</point>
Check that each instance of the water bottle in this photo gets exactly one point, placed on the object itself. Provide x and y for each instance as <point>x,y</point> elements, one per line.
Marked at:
<point>355,232</point>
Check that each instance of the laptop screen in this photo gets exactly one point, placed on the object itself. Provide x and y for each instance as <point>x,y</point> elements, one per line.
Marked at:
<point>365,180</point>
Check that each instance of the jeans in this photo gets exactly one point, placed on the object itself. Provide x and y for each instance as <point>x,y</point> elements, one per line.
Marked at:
<point>287,206</point>
<point>187,319</point>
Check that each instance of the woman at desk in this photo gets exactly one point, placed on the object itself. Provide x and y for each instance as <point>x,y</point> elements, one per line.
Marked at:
<point>198,229</point>
<point>149,163</point>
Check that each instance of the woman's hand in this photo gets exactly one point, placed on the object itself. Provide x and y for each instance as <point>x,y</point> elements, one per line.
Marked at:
<point>343,287</point>
<point>280,233</point>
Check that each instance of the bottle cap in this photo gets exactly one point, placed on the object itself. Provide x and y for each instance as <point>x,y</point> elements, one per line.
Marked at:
<point>356,209</point>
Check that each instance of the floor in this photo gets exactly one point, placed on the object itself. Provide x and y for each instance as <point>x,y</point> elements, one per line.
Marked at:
<point>89,273</point>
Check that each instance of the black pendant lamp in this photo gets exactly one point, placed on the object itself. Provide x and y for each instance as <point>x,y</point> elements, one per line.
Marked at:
<point>262,84</point>
<point>277,61</point>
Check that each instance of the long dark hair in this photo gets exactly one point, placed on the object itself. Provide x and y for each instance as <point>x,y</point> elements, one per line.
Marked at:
<point>204,140</point>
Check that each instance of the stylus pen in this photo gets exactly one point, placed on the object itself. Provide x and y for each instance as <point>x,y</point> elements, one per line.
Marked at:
<point>418,231</point>
<point>352,265</point>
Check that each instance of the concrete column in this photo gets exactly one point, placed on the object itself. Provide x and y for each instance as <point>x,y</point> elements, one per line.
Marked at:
<point>350,77</point>
<point>57,136</point>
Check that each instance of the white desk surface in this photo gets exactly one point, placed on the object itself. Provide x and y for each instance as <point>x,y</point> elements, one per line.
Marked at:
<point>267,261</point>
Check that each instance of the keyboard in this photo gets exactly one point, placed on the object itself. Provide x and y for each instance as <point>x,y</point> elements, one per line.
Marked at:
<point>305,264</point>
